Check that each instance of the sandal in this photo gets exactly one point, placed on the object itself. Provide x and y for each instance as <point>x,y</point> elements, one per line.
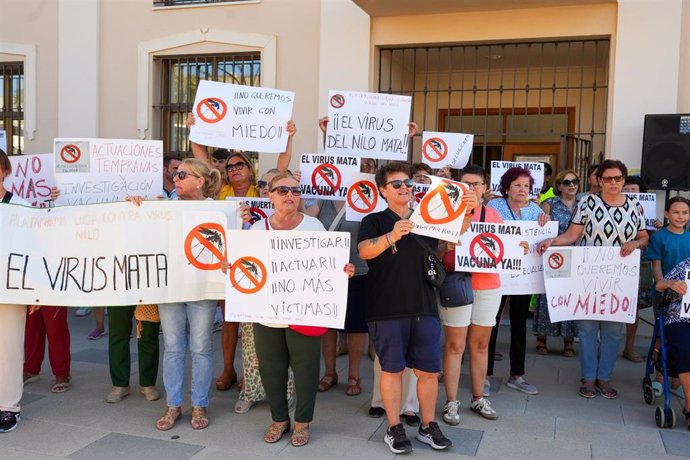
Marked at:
<point>605,389</point>
<point>199,418</point>
<point>276,431</point>
<point>300,435</point>
<point>223,385</point>
<point>587,389</point>
<point>353,386</point>
<point>632,356</point>
<point>327,382</point>
<point>168,420</point>
<point>31,378</point>
<point>61,385</point>
<point>541,346</point>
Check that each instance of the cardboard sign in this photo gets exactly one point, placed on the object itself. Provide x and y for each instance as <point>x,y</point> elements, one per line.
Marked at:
<point>446,149</point>
<point>648,202</point>
<point>104,170</point>
<point>418,191</point>
<point>363,198</point>
<point>490,248</point>
<point>441,212</point>
<point>327,177</point>
<point>371,125</point>
<point>241,117</point>
<point>260,208</point>
<point>32,177</point>
<point>591,282</point>
<point>685,303</point>
<point>113,254</point>
<point>287,277</point>
<point>530,280</point>
<point>3,141</point>
<point>498,168</point>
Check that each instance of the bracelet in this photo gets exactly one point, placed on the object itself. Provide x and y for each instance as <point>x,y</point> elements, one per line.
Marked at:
<point>389,238</point>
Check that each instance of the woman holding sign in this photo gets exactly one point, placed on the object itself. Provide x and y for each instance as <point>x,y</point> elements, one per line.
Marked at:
<point>609,218</point>
<point>279,346</point>
<point>561,209</point>
<point>515,204</point>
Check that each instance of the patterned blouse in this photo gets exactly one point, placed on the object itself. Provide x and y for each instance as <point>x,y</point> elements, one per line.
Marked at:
<point>676,300</point>
<point>561,212</point>
<point>608,225</point>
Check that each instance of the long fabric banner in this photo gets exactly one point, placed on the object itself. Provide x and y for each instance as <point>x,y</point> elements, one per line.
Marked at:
<point>530,279</point>
<point>287,277</point>
<point>114,254</point>
<point>241,117</point>
<point>105,170</point>
<point>32,177</point>
<point>591,282</point>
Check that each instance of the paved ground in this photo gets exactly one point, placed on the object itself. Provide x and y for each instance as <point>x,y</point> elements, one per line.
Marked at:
<point>555,424</point>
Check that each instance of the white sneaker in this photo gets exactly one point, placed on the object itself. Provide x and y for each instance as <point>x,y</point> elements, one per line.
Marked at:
<point>451,412</point>
<point>82,311</point>
<point>521,384</point>
<point>483,407</point>
<point>487,388</point>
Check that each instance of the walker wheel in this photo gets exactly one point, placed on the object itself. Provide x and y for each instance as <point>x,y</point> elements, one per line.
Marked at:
<point>648,392</point>
<point>659,417</point>
<point>670,418</point>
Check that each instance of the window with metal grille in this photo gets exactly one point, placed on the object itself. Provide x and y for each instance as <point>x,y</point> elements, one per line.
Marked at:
<point>542,101</point>
<point>12,105</point>
<point>180,76</point>
<point>191,2</point>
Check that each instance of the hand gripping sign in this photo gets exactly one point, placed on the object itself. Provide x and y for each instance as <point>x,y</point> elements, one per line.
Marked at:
<point>446,149</point>
<point>441,211</point>
<point>363,198</point>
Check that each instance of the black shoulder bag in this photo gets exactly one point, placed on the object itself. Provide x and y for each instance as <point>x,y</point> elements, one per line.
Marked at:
<point>433,267</point>
<point>8,196</point>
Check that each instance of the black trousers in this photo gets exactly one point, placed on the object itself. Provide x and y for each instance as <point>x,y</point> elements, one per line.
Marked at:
<point>519,310</point>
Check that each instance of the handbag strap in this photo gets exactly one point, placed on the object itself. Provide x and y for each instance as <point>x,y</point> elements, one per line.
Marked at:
<point>337,219</point>
<point>482,216</point>
<point>8,196</point>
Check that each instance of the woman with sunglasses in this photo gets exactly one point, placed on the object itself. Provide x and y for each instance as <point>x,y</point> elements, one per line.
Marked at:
<point>561,209</point>
<point>608,218</point>
<point>240,181</point>
<point>279,347</point>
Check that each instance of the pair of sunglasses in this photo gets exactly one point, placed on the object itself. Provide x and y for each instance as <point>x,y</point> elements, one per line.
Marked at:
<point>396,184</point>
<point>235,166</point>
<point>568,183</point>
<point>261,184</point>
<point>283,190</point>
<point>182,175</point>
<point>612,179</point>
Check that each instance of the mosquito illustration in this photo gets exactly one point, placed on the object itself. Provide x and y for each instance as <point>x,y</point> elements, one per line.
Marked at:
<point>364,191</point>
<point>453,192</point>
<point>436,144</point>
<point>331,175</point>
<point>488,242</point>
<point>214,103</point>
<point>251,267</point>
<point>212,236</point>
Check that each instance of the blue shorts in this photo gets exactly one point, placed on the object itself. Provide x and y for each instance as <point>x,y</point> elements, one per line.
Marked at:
<point>407,342</point>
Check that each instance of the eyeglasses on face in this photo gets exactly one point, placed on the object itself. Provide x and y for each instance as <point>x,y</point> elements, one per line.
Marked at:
<point>235,166</point>
<point>612,179</point>
<point>182,175</point>
<point>568,182</point>
<point>474,185</point>
<point>283,190</point>
<point>396,184</point>
<point>261,184</point>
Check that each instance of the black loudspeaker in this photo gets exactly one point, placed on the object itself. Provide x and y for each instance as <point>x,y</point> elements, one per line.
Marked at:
<point>666,152</point>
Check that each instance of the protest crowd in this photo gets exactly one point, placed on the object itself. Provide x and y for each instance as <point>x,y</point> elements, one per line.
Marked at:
<point>429,272</point>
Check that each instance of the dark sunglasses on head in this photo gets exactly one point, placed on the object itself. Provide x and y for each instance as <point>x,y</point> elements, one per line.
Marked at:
<point>262,184</point>
<point>396,184</point>
<point>283,190</point>
<point>235,166</point>
<point>568,183</point>
<point>182,175</point>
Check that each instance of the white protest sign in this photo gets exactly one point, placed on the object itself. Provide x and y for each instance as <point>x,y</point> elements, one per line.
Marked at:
<point>530,280</point>
<point>498,168</point>
<point>372,125</point>
<point>685,302</point>
<point>441,211</point>
<point>31,178</point>
<point>488,247</point>
<point>241,117</point>
<point>259,208</point>
<point>446,149</point>
<point>3,141</point>
<point>103,170</point>
<point>363,198</point>
<point>591,282</point>
<point>327,177</point>
<point>112,254</point>
<point>419,190</point>
<point>287,277</point>
<point>648,202</point>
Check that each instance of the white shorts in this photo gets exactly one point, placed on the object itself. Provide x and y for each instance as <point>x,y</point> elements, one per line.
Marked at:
<point>482,312</point>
